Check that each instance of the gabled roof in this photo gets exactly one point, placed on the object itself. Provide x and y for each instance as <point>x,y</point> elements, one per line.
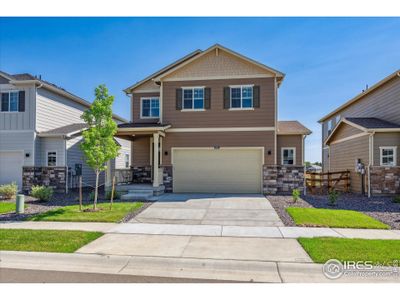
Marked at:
<point>165,69</point>
<point>292,128</point>
<point>366,125</point>
<point>277,73</point>
<point>67,130</point>
<point>361,95</point>
<point>28,78</point>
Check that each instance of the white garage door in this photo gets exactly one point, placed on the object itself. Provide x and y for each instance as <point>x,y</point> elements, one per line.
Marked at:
<point>11,167</point>
<point>217,170</point>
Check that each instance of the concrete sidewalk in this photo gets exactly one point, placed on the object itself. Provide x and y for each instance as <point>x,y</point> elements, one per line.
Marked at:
<point>178,268</point>
<point>208,230</point>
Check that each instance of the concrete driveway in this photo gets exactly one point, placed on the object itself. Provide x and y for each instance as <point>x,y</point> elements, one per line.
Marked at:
<point>210,209</point>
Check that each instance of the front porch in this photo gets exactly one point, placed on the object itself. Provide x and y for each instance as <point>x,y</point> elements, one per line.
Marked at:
<point>147,177</point>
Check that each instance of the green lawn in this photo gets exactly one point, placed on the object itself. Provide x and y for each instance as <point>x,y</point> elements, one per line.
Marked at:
<point>384,252</point>
<point>7,207</point>
<point>320,217</point>
<point>72,213</point>
<point>45,240</point>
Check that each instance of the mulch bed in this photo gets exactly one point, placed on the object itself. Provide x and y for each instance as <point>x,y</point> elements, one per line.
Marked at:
<point>380,208</point>
<point>59,200</point>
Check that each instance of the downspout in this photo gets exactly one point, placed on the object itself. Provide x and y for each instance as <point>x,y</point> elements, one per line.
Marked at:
<point>276,125</point>
<point>371,160</point>
<point>66,164</point>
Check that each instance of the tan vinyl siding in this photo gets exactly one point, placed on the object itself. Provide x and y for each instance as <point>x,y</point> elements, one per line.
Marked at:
<point>221,139</point>
<point>141,151</point>
<point>19,120</point>
<point>386,139</point>
<point>212,65</point>
<point>343,157</point>
<point>136,107</point>
<point>290,141</point>
<point>345,131</point>
<point>382,103</point>
<point>325,159</point>
<point>217,116</point>
<point>125,149</point>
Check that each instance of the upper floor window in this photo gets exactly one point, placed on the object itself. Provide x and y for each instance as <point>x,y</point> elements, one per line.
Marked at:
<point>242,96</point>
<point>330,125</point>
<point>150,107</point>
<point>193,98</point>
<point>388,155</point>
<point>288,156</point>
<point>10,101</point>
<point>51,159</point>
<point>337,119</point>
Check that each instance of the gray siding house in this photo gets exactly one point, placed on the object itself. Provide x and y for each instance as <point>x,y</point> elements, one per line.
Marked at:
<point>40,133</point>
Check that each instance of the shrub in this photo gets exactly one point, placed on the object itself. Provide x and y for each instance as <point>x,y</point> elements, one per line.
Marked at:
<point>295,195</point>
<point>91,196</point>
<point>396,199</point>
<point>42,192</point>
<point>8,191</point>
<point>117,195</point>
<point>333,195</point>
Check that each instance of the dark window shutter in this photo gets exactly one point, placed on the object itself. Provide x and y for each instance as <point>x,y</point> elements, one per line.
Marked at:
<point>227,97</point>
<point>256,96</point>
<point>179,99</point>
<point>21,101</point>
<point>4,101</point>
<point>207,98</point>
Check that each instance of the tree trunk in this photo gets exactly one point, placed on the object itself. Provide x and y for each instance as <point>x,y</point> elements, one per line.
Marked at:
<point>96,189</point>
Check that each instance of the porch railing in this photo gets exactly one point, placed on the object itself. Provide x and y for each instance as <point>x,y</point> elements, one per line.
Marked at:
<point>321,183</point>
<point>123,175</point>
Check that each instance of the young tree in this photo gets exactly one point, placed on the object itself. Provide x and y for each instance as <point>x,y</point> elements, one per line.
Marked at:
<point>98,144</point>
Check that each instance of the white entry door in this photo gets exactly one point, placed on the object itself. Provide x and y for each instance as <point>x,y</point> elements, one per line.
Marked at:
<point>225,170</point>
<point>11,164</point>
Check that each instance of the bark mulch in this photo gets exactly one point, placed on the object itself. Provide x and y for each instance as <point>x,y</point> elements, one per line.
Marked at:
<point>380,208</point>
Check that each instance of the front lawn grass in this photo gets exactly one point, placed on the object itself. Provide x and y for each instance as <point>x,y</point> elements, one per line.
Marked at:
<point>320,217</point>
<point>72,214</point>
<point>7,207</point>
<point>383,252</point>
<point>65,241</point>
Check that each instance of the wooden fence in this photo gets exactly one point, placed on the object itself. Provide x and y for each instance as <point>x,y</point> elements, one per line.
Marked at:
<point>321,183</point>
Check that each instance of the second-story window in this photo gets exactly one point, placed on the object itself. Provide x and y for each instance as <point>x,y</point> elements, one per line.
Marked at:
<point>150,107</point>
<point>242,96</point>
<point>193,98</point>
<point>330,125</point>
<point>9,101</point>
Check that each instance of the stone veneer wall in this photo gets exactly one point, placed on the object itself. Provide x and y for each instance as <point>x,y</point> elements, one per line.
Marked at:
<point>167,178</point>
<point>141,174</point>
<point>385,180</point>
<point>282,179</point>
<point>54,177</point>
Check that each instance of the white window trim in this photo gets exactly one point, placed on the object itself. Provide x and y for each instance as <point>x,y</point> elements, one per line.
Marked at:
<point>141,107</point>
<point>394,148</point>
<point>294,155</point>
<point>9,102</point>
<point>183,98</point>
<point>241,97</point>
<point>47,158</point>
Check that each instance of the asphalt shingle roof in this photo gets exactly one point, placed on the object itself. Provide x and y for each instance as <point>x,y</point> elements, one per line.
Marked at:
<point>140,125</point>
<point>292,127</point>
<point>373,123</point>
<point>64,130</point>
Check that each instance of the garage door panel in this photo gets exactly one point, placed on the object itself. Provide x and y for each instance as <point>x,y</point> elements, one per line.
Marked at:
<point>11,168</point>
<point>217,170</point>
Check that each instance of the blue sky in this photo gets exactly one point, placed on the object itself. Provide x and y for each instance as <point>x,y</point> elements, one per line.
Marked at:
<point>326,60</point>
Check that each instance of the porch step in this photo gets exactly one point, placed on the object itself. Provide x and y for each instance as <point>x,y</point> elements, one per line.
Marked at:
<point>139,191</point>
<point>137,196</point>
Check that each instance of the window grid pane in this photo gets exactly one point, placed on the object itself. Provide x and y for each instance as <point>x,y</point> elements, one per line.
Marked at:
<point>198,98</point>
<point>146,108</point>
<point>288,156</point>
<point>13,101</point>
<point>51,159</point>
<point>388,156</point>
<point>187,99</point>
<point>235,98</point>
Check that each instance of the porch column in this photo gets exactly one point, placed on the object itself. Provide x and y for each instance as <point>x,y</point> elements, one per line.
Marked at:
<point>156,138</point>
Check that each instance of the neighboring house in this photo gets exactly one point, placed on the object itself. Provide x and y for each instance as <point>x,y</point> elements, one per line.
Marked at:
<point>40,133</point>
<point>208,123</point>
<point>363,136</point>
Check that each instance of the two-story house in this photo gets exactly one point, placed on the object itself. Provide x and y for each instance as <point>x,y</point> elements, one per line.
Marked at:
<point>208,123</point>
<point>40,133</point>
<point>363,136</point>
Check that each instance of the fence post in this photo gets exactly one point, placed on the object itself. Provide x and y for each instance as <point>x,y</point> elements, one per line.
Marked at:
<point>80,193</point>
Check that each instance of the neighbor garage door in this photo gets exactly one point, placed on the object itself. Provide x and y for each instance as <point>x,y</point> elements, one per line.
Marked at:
<point>11,167</point>
<point>236,170</point>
